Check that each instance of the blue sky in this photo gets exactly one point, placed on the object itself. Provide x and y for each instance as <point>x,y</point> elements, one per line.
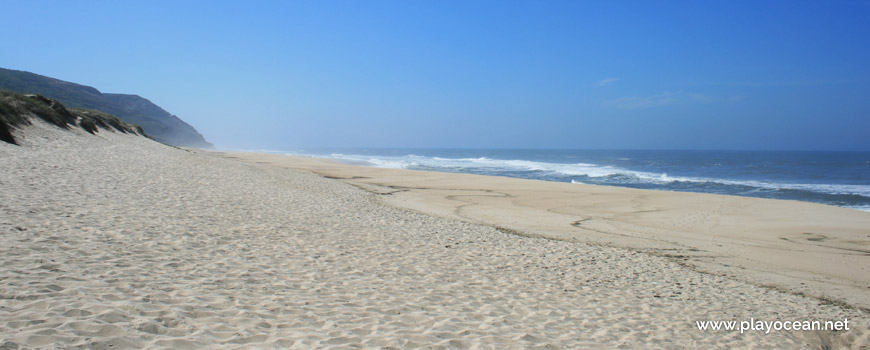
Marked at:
<point>764,75</point>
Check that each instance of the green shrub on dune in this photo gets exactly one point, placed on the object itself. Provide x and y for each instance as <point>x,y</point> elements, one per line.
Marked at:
<point>17,110</point>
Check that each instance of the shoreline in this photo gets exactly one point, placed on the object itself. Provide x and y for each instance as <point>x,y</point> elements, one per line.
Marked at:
<point>804,248</point>
<point>369,165</point>
<point>122,242</point>
<point>587,167</point>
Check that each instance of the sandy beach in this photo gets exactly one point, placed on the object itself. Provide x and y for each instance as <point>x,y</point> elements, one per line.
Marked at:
<point>818,250</point>
<point>116,241</point>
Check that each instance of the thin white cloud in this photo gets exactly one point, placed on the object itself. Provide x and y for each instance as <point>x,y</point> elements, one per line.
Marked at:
<point>663,99</point>
<point>604,82</point>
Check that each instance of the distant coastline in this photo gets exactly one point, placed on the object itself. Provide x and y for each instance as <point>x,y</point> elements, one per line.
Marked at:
<point>157,122</point>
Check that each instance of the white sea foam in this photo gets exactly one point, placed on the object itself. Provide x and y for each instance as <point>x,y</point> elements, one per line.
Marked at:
<point>859,207</point>
<point>593,171</point>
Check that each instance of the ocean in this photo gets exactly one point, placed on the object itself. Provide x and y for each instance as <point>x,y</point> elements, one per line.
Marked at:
<point>834,178</point>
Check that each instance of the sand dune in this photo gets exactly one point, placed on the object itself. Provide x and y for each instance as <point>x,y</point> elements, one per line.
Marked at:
<point>114,241</point>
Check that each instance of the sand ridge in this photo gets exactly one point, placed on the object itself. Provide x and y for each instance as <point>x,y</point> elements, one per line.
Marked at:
<point>114,241</point>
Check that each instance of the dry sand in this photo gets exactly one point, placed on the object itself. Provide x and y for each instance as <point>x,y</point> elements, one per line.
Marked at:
<point>114,241</point>
<point>808,248</point>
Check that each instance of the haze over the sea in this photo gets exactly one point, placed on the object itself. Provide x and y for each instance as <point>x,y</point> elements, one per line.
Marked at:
<point>483,74</point>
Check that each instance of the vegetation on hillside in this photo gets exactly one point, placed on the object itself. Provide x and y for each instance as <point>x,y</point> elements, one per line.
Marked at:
<point>17,110</point>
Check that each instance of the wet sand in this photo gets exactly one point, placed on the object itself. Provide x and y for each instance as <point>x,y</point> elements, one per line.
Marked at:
<point>115,241</point>
<point>816,249</point>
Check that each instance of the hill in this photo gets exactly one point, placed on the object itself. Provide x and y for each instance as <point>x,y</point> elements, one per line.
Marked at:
<point>157,122</point>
